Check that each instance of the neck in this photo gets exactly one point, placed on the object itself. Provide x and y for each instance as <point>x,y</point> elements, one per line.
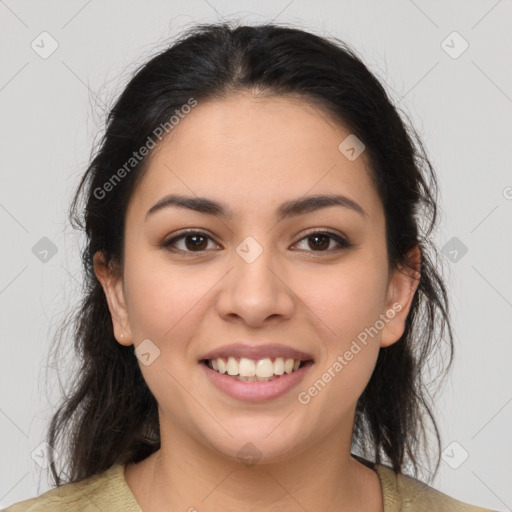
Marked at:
<point>184,475</point>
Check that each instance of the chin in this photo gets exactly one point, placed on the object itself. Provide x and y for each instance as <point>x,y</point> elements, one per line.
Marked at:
<point>257,441</point>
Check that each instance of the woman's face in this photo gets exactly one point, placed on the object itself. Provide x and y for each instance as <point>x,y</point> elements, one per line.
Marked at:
<point>267,278</point>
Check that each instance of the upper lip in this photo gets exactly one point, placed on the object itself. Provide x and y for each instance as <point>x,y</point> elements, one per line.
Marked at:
<point>257,352</point>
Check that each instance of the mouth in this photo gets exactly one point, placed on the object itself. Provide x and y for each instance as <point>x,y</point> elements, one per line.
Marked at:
<point>266,369</point>
<point>255,373</point>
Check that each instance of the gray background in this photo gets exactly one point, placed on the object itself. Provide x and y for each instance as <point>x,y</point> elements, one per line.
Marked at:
<point>52,109</point>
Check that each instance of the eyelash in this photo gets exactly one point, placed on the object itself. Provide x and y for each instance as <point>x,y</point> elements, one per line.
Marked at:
<point>344,244</point>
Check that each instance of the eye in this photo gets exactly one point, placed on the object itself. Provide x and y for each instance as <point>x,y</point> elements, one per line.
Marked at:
<point>194,241</point>
<point>197,241</point>
<point>320,241</point>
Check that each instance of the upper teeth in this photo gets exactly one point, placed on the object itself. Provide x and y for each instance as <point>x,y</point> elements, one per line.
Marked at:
<point>252,368</point>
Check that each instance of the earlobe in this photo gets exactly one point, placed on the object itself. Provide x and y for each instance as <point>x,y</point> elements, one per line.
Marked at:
<point>401,290</point>
<point>112,284</point>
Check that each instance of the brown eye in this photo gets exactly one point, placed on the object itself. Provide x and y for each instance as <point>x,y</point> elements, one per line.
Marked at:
<point>320,241</point>
<point>193,241</point>
<point>196,242</point>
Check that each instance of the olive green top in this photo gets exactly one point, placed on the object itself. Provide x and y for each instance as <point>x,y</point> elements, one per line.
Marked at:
<point>109,492</point>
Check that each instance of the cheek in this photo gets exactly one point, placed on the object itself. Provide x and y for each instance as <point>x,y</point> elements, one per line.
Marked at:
<point>161,300</point>
<point>349,304</point>
<point>346,300</point>
<point>163,306</point>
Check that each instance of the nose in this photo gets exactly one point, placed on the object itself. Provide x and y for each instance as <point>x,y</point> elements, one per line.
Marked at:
<point>256,290</point>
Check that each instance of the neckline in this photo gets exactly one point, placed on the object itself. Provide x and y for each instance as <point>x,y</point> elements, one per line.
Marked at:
<point>117,473</point>
<point>387,478</point>
<point>388,484</point>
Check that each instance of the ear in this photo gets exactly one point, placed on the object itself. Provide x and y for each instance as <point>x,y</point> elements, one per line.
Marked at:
<point>402,286</point>
<point>112,282</point>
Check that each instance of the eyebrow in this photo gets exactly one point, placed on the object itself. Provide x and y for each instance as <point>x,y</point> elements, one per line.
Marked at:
<point>290,208</point>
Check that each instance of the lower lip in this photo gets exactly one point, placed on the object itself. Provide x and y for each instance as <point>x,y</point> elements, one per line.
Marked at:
<point>256,391</point>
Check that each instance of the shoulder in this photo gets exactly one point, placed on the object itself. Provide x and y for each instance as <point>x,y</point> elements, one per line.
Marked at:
<point>107,491</point>
<point>407,494</point>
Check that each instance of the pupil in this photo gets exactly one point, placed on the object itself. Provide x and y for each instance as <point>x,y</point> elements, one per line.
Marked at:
<point>320,246</point>
<point>196,245</point>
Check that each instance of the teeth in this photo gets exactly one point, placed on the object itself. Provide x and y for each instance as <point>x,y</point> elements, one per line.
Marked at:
<point>221,364</point>
<point>249,370</point>
<point>232,366</point>
<point>265,368</point>
<point>288,366</point>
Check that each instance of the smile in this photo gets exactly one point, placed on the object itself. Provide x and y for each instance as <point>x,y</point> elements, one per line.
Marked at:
<point>254,388</point>
<point>251,370</point>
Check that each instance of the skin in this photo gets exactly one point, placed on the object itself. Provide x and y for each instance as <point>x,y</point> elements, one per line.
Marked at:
<point>253,154</point>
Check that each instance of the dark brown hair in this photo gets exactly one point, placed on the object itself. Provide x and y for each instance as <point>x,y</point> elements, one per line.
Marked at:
<point>109,415</point>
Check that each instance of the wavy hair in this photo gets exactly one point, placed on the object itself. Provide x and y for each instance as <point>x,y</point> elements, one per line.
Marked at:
<point>109,415</point>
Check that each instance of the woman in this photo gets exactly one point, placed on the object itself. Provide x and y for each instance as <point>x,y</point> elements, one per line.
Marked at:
<point>261,299</point>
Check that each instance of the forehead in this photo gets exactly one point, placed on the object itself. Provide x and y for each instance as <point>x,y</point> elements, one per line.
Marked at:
<point>255,152</point>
